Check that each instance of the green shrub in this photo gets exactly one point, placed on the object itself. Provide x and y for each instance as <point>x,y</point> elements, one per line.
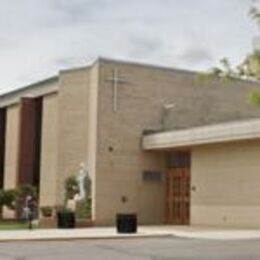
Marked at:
<point>14,199</point>
<point>1,198</point>
<point>23,192</point>
<point>26,190</point>
<point>8,198</point>
<point>47,211</point>
<point>83,209</point>
<point>71,187</point>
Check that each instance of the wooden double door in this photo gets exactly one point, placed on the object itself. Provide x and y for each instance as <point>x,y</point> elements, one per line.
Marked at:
<point>178,196</point>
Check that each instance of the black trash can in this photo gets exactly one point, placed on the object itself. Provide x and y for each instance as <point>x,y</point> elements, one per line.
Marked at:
<point>126,223</point>
<point>66,219</point>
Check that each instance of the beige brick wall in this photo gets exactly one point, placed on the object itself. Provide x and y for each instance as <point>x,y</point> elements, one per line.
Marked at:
<point>11,153</point>
<point>226,178</point>
<point>49,150</point>
<point>119,172</point>
<point>140,101</point>
<point>197,102</point>
<point>73,108</point>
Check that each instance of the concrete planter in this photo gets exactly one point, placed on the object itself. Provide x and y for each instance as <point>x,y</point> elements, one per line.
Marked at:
<point>66,219</point>
<point>126,223</point>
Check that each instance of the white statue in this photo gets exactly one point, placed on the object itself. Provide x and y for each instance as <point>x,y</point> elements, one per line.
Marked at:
<point>81,178</point>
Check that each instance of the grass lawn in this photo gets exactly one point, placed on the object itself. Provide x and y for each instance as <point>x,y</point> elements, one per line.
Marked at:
<point>12,225</point>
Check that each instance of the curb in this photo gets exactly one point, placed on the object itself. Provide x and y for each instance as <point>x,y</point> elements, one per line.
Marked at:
<point>134,236</point>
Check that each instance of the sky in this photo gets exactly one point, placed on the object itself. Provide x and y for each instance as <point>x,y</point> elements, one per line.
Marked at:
<point>40,37</point>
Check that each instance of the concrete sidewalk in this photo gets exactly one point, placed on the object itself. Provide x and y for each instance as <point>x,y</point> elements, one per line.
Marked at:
<point>214,233</point>
<point>81,233</point>
<point>143,232</point>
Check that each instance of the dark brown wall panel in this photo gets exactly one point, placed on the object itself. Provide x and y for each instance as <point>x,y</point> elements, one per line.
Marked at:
<point>37,142</point>
<point>29,141</point>
<point>2,144</point>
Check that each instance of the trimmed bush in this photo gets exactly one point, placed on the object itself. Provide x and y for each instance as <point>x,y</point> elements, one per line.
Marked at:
<point>83,209</point>
<point>71,187</point>
<point>46,211</point>
<point>26,190</point>
<point>8,198</point>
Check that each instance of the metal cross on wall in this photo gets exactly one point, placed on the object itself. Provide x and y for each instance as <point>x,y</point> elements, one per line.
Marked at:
<point>115,79</point>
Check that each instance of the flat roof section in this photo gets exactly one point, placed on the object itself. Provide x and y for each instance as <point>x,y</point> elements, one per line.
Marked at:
<point>210,134</point>
<point>36,89</point>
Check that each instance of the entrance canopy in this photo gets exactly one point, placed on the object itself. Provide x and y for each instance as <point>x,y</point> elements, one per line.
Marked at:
<point>210,134</point>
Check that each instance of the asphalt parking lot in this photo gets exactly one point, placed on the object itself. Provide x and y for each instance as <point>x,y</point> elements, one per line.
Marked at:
<point>132,249</point>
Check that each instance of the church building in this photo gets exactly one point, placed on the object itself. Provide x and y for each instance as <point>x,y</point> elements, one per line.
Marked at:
<point>156,141</point>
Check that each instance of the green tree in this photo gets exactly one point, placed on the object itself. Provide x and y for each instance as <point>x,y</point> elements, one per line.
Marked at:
<point>7,198</point>
<point>248,68</point>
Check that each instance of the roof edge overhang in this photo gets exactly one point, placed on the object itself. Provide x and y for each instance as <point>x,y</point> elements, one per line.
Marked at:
<point>203,135</point>
<point>39,88</point>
